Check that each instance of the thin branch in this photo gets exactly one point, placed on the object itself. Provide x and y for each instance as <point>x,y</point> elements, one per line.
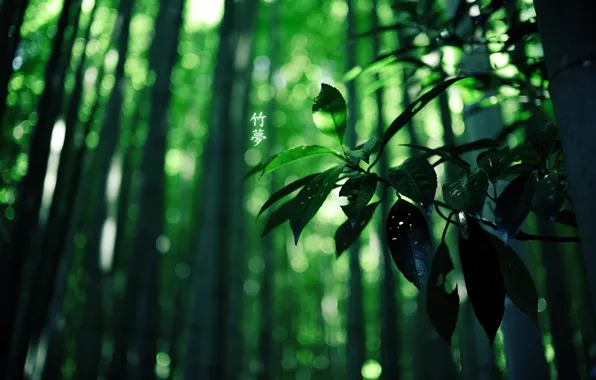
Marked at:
<point>520,235</point>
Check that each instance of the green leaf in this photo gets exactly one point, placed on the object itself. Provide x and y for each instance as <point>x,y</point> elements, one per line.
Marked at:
<point>347,233</point>
<point>468,193</point>
<point>482,274</point>
<point>311,198</point>
<point>329,112</point>
<point>416,106</point>
<point>442,305</point>
<point>409,241</point>
<point>294,154</point>
<point>286,190</point>
<point>519,286</point>
<point>446,155</point>
<point>549,196</point>
<point>255,169</point>
<point>372,145</point>
<point>515,203</point>
<point>359,192</point>
<point>416,179</point>
<point>279,216</point>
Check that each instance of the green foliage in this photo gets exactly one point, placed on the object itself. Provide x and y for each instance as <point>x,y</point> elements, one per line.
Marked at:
<point>311,198</point>
<point>330,113</point>
<point>349,232</point>
<point>533,169</point>
<point>359,191</point>
<point>295,154</point>
<point>286,190</point>
<point>363,153</point>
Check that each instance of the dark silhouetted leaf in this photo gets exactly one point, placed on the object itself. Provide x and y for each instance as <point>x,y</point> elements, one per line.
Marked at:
<point>548,196</point>
<point>493,162</point>
<point>515,202</point>
<point>294,154</point>
<point>442,305</point>
<point>468,193</point>
<point>287,190</point>
<point>347,233</point>
<point>416,106</point>
<point>279,216</point>
<point>482,273</point>
<point>567,218</point>
<point>446,155</point>
<point>507,164</point>
<point>525,153</point>
<point>519,31</point>
<point>311,198</point>
<point>477,144</point>
<point>359,191</point>
<point>416,179</point>
<point>519,286</point>
<point>409,241</point>
<point>329,112</point>
<point>543,140</point>
<point>456,151</point>
<point>511,128</point>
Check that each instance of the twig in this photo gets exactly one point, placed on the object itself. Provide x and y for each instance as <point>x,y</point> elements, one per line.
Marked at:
<point>520,235</point>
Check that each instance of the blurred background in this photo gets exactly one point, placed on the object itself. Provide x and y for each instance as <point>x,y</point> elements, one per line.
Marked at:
<point>131,244</point>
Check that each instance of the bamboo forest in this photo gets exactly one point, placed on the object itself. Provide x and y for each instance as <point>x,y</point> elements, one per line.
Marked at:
<point>297,189</point>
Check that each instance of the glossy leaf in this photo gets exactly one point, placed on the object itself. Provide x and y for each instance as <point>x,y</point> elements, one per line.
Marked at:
<point>549,196</point>
<point>294,154</point>
<point>515,203</point>
<point>359,192</point>
<point>330,112</point>
<point>442,305</point>
<point>409,241</point>
<point>311,198</point>
<point>519,286</point>
<point>416,179</point>
<point>416,106</point>
<point>468,193</point>
<point>482,274</point>
<point>347,233</point>
<point>288,189</point>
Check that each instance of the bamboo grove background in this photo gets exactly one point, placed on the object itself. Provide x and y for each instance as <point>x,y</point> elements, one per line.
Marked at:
<point>130,244</point>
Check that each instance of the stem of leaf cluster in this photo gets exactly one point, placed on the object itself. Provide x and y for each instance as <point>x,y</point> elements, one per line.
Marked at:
<point>520,235</point>
<point>376,158</point>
